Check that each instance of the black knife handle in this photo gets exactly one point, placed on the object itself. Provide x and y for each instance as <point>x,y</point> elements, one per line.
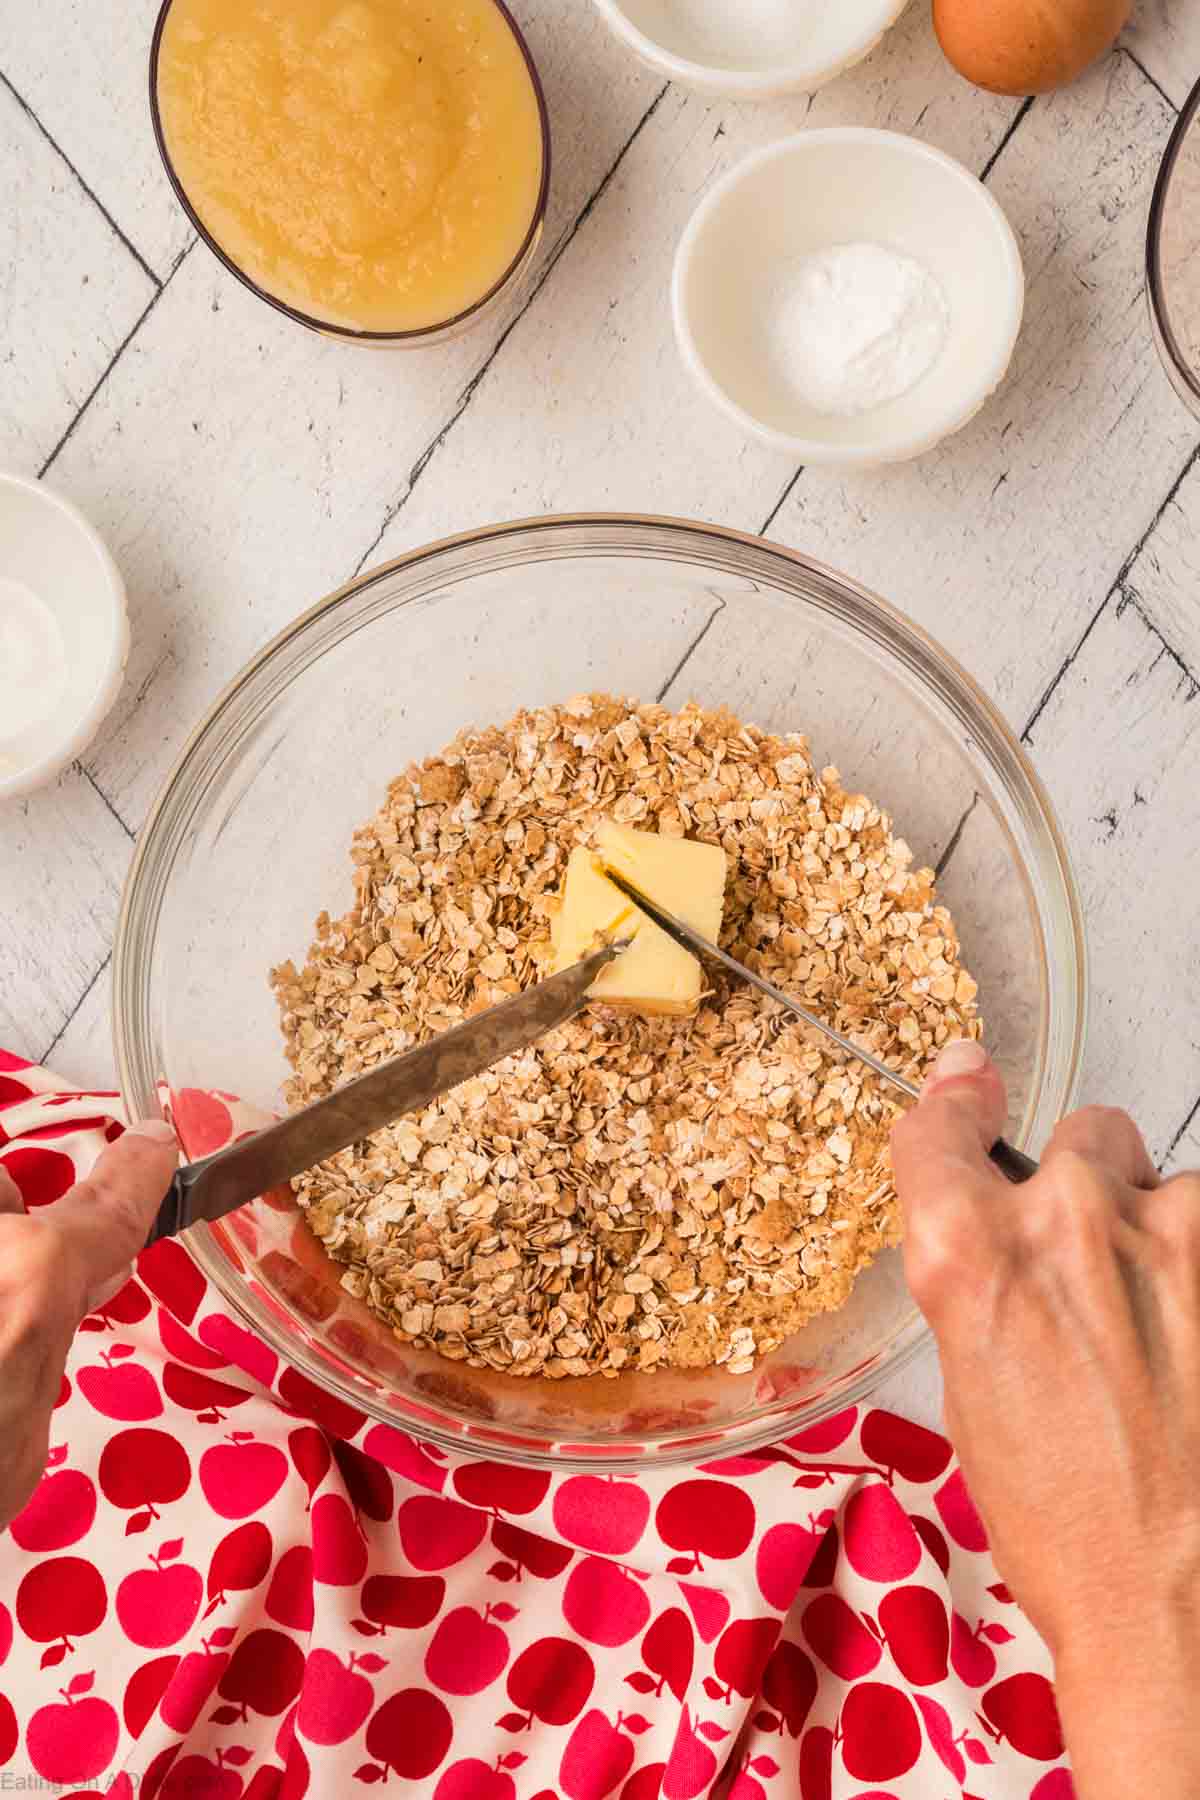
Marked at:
<point>172,1214</point>
<point>1014,1165</point>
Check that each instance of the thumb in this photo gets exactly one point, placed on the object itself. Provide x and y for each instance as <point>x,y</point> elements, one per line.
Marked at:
<point>940,1147</point>
<point>105,1219</point>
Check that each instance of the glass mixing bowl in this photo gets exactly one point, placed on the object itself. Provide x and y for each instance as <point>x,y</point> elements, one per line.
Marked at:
<point>249,840</point>
<point>1172,265</point>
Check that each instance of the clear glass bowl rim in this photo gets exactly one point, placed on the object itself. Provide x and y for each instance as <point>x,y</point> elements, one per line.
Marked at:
<point>1184,378</point>
<point>436,333</point>
<point>182,791</point>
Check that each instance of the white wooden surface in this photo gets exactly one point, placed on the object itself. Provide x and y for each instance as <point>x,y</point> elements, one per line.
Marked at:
<point>239,467</point>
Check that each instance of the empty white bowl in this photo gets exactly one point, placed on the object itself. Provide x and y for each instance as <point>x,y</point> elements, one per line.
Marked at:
<point>64,634</point>
<point>845,185</point>
<point>751,48</point>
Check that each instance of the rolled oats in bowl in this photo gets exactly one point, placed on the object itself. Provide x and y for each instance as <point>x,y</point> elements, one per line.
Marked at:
<point>628,1193</point>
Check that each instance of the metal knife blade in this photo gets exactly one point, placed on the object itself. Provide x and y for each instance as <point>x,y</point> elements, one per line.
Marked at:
<point>218,1184</point>
<point>1012,1163</point>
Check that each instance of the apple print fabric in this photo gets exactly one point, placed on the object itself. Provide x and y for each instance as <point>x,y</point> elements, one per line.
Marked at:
<point>230,1586</point>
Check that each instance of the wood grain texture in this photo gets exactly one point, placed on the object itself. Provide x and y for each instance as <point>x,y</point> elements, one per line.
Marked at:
<point>82,67</point>
<point>70,292</point>
<point>1165,578</point>
<point>620,424</point>
<point>1003,541</point>
<point>63,858</point>
<point>1164,35</point>
<point>83,1048</point>
<point>240,466</point>
<point>1118,745</point>
<point>1185,1153</point>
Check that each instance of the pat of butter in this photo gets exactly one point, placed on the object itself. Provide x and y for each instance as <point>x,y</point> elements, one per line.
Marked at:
<point>654,976</point>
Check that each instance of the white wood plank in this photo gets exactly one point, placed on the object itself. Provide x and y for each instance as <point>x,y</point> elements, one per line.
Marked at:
<point>1003,541</point>
<point>69,292</point>
<point>916,1392</point>
<point>62,862</point>
<point>618,423</point>
<point>1164,35</point>
<point>242,466</point>
<point>1117,745</point>
<point>83,1052</point>
<point>1186,1154</point>
<point>82,66</point>
<point>1165,579</point>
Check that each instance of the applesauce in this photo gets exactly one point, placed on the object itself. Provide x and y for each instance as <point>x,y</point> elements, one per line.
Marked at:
<point>375,165</point>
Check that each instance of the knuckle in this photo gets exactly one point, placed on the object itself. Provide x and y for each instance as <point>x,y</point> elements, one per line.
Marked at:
<point>1079,1194</point>
<point>1172,1215</point>
<point>1074,1209</point>
<point>1105,1118</point>
<point>935,1255</point>
<point>1091,1126</point>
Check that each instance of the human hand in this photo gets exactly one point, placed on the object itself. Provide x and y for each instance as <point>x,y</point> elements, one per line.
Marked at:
<point>1067,1314</point>
<point>56,1265</point>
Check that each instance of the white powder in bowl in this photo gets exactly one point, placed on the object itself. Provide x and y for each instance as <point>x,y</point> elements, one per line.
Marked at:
<point>854,326</point>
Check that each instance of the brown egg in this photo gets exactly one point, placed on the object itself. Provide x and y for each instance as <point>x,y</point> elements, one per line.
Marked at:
<point>1026,46</point>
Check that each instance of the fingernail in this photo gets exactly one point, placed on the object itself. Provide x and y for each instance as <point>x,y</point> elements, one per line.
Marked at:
<point>963,1056</point>
<point>156,1129</point>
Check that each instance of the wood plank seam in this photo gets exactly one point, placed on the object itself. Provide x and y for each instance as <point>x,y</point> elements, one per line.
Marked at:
<point>955,838</point>
<point>468,394</point>
<point>1119,586</point>
<point>92,782</point>
<point>95,199</point>
<point>1179,1135</point>
<point>1126,600</point>
<point>1124,50</point>
<point>115,358</point>
<point>1129,600</point>
<point>695,644</point>
<point>1014,124</point>
<point>780,503</point>
<point>44,1058</point>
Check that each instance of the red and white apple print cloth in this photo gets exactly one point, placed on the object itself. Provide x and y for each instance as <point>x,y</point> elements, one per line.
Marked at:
<point>231,1587</point>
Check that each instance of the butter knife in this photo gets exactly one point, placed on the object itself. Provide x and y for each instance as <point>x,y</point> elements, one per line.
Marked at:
<point>218,1184</point>
<point>1012,1163</point>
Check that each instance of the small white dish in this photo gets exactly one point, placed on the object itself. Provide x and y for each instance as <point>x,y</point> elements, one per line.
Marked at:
<point>750,49</point>
<point>848,184</point>
<point>64,634</point>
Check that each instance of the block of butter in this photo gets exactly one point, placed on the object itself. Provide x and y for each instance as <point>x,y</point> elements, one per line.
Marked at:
<point>654,976</point>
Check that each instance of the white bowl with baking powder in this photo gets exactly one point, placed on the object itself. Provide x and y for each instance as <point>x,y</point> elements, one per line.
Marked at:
<point>818,192</point>
<point>64,634</point>
<point>749,49</point>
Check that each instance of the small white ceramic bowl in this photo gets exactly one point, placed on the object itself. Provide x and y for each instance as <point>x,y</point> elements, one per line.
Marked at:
<point>749,49</point>
<point>846,185</point>
<point>64,634</point>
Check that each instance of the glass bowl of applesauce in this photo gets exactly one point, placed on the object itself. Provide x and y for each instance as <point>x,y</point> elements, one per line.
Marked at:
<point>250,840</point>
<point>377,170</point>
